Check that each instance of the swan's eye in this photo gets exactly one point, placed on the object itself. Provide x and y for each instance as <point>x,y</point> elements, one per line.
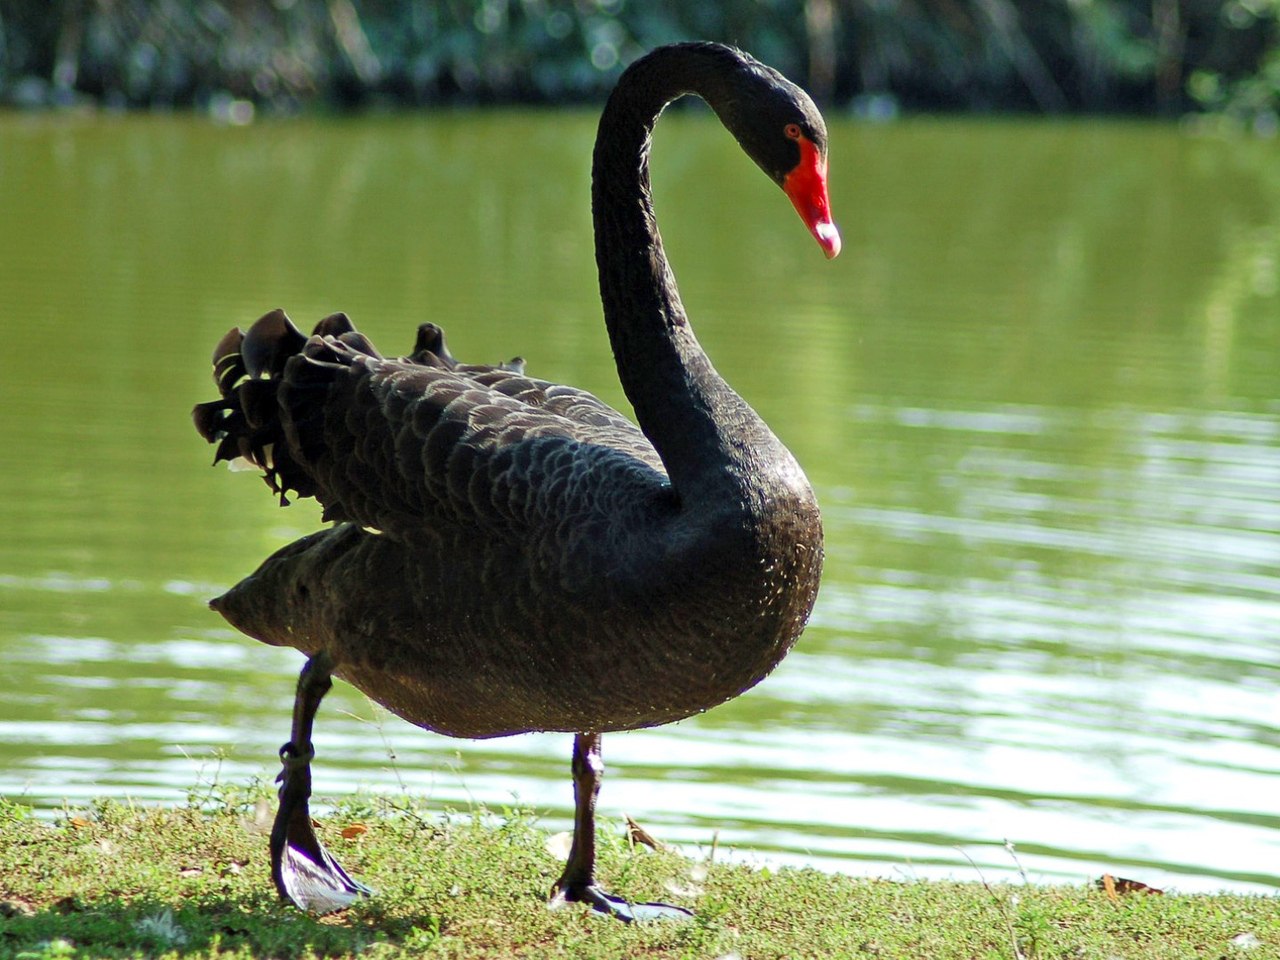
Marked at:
<point>792,130</point>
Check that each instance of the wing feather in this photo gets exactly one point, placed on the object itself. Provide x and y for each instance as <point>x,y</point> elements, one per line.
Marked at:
<point>403,444</point>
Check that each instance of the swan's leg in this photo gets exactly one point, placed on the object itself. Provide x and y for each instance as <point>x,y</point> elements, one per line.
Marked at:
<point>303,870</point>
<point>577,882</point>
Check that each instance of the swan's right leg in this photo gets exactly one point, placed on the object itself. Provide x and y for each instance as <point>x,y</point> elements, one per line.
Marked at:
<point>303,870</point>
<point>577,883</point>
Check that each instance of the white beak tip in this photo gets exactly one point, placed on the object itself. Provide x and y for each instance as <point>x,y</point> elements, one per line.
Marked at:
<point>828,238</point>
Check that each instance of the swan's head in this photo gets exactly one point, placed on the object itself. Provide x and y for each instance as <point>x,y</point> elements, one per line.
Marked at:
<point>781,129</point>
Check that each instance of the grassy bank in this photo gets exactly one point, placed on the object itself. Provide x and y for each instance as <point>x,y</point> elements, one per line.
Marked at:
<point>116,881</point>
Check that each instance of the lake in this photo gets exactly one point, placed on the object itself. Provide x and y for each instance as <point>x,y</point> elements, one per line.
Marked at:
<point>1038,395</point>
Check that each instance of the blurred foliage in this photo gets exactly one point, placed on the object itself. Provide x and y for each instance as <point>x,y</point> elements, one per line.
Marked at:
<point>1246,92</point>
<point>1132,56</point>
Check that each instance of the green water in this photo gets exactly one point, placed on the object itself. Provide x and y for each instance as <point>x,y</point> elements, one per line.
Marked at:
<point>1038,394</point>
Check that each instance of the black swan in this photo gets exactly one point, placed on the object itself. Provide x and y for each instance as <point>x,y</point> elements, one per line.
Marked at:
<point>512,555</point>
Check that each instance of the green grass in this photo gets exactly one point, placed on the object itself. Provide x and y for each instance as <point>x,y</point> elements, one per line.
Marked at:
<point>118,881</point>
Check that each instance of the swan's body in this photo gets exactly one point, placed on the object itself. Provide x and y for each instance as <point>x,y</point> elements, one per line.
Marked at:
<point>514,555</point>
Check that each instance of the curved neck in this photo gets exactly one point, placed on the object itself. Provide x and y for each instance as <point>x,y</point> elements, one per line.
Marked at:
<point>709,439</point>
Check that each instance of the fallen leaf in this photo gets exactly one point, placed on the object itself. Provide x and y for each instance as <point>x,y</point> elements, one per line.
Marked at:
<point>1114,886</point>
<point>1108,883</point>
<point>638,834</point>
<point>353,831</point>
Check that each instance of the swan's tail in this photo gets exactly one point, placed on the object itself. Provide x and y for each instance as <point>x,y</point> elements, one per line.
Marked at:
<point>271,409</point>
<point>278,386</point>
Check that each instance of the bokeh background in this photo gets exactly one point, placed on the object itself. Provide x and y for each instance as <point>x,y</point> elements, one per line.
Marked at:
<point>1153,57</point>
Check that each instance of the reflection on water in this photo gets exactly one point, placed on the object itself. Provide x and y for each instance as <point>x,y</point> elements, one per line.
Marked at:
<point>1037,395</point>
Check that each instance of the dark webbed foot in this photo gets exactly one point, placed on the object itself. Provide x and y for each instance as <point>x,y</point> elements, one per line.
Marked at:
<point>616,907</point>
<point>303,870</point>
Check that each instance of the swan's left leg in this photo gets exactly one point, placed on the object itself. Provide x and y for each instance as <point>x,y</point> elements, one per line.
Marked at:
<point>303,870</point>
<point>578,883</point>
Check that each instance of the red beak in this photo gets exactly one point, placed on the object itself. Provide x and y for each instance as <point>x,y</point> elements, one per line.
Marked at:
<point>806,185</point>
